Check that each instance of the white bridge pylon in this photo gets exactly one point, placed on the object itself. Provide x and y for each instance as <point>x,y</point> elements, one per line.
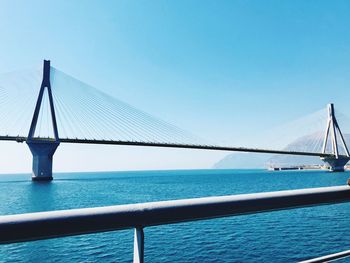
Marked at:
<point>336,163</point>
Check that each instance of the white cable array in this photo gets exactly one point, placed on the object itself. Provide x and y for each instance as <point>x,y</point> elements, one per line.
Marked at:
<point>84,112</point>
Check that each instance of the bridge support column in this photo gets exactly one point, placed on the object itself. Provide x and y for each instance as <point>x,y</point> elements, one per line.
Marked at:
<point>43,149</point>
<point>42,160</point>
<point>336,163</point>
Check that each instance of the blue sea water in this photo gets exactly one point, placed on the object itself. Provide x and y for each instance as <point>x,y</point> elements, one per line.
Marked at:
<point>282,236</point>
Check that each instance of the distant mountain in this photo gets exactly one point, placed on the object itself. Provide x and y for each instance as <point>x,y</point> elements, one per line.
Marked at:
<point>243,161</point>
<point>311,143</point>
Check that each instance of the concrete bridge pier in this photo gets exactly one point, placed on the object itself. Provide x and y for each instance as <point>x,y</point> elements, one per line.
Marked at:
<point>43,149</point>
<point>42,159</point>
<point>336,164</point>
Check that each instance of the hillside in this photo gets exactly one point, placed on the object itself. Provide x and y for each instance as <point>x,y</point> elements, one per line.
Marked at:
<point>256,160</point>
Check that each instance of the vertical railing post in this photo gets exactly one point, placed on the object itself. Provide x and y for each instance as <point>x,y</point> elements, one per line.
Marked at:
<point>139,245</point>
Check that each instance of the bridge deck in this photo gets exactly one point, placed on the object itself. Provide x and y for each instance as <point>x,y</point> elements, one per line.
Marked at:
<point>173,145</point>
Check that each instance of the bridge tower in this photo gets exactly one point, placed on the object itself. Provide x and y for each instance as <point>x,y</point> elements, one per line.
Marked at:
<point>43,149</point>
<point>336,162</point>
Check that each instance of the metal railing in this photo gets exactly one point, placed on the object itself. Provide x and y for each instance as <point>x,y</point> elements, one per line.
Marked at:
<point>45,225</point>
<point>328,258</point>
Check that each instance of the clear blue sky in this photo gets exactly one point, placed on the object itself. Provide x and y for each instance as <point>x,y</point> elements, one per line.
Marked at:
<point>222,69</point>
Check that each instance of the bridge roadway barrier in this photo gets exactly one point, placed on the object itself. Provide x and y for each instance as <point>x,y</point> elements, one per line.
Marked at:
<point>52,224</point>
<point>21,139</point>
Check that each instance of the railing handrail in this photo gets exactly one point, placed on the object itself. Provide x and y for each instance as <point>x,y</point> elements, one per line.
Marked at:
<point>328,258</point>
<point>44,225</point>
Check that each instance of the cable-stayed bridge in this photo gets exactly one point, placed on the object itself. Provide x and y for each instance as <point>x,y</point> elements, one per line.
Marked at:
<point>67,110</point>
